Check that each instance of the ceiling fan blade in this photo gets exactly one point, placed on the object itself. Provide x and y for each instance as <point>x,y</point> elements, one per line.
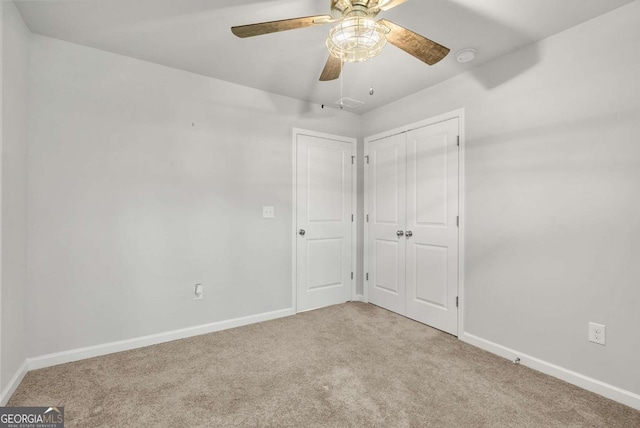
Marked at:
<point>389,4</point>
<point>332,69</point>
<point>414,44</point>
<point>276,26</point>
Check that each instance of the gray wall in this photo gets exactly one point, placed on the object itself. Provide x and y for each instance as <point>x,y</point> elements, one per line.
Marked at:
<point>15,60</point>
<point>131,205</point>
<point>552,208</point>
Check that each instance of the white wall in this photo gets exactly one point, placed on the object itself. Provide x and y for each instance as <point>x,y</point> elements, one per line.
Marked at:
<point>15,60</point>
<point>131,205</point>
<point>552,207</point>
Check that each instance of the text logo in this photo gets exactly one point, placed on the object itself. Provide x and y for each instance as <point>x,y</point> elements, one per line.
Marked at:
<point>31,417</point>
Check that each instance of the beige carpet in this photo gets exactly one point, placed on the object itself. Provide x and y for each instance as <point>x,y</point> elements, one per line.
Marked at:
<point>349,365</point>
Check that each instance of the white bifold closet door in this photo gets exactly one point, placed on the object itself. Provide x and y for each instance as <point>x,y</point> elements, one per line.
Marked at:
<point>413,228</point>
<point>387,201</point>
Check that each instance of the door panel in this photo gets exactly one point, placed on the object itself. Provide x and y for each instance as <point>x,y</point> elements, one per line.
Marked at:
<point>323,194</point>
<point>387,256</point>
<point>429,164</point>
<point>431,211</point>
<point>386,183</point>
<point>326,175</point>
<point>387,163</point>
<point>324,263</point>
<point>431,275</point>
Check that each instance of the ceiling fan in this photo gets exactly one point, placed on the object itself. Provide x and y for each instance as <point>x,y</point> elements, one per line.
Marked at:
<point>357,36</point>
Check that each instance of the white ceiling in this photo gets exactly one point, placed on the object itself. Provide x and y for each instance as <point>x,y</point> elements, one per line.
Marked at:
<point>194,35</point>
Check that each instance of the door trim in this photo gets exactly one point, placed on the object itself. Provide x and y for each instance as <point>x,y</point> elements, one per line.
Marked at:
<point>294,210</point>
<point>459,114</point>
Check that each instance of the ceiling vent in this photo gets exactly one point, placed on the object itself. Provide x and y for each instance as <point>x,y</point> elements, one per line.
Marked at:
<point>349,103</point>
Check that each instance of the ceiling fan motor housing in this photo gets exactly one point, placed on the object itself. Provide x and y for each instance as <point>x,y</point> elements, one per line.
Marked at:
<point>345,8</point>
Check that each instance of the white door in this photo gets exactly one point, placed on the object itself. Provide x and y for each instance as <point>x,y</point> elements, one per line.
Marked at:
<point>412,259</point>
<point>432,229</point>
<point>324,221</point>
<point>387,193</point>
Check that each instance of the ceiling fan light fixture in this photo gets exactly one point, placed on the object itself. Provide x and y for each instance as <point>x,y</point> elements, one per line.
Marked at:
<point>356,39</point>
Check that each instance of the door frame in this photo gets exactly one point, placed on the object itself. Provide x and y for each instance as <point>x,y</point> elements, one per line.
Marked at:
<point>459,114</point>
<point>294,219</point>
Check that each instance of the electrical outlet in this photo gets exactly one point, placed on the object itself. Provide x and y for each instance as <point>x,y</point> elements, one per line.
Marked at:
<point>197,292</point>
<point>268,212</point>
<point>597,333</point>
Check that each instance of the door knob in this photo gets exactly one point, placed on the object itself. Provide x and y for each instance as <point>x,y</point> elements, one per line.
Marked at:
<point>409,234</point>
<point>399,233</point>
<point>302,232</point>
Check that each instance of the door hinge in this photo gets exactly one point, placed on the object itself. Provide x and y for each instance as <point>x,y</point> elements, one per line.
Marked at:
<point>457,301</point>
<point>367,159</point>
<point>353,160</point>
<point>351,275</point>
<point>367,218</point>
<point>351,218</point>
<point>458,221</point>
<point>367,276</point>
<point>458,141</point>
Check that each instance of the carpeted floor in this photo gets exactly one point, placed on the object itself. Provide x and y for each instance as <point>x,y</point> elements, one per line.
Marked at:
<point>352,365</point>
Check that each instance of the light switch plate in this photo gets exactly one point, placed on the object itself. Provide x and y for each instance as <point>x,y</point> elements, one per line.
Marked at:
<point>268,212</point>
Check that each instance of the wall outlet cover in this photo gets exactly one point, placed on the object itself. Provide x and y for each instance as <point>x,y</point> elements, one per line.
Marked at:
<point>597,333</point>
<point>268,212</point>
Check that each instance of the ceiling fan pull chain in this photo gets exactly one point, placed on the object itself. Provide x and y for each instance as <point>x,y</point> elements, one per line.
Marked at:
<point>341,85</point>
<point>371,72</point>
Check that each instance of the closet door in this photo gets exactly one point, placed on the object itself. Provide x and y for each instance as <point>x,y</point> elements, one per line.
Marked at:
<point>387,199</point>
<point>431,228</point>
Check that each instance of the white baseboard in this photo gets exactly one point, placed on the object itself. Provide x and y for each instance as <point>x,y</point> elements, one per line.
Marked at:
<point>358,298</point>
<point>154,339</point>
<point>606,390</point>
<point>13,384</point>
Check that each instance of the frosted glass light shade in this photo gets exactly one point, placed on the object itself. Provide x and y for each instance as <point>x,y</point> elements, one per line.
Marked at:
<point>357,39</point>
